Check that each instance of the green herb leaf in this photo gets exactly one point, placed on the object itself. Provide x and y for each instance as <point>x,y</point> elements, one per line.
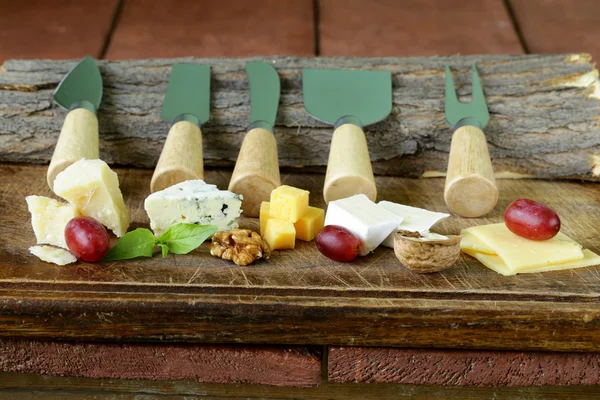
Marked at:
<point>137,243</point>
<point>183,238</point>
<point>164,248</point>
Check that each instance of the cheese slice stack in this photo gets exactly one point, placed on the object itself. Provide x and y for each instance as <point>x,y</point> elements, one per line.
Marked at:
<point>500,250</point>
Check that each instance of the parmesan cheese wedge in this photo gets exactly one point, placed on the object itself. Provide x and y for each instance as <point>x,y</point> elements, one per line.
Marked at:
<point>49,219</point>
<point>53,255</point>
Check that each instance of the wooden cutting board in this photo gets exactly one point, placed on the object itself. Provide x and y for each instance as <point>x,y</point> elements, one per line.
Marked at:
<point>299,296</point>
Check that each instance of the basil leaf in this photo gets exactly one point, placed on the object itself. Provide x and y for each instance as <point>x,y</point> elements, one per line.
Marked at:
<point>183,238</point>
<point>137,243</point>
<point>164,248</point>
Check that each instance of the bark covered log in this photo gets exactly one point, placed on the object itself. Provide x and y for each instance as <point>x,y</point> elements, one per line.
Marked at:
<point>545,113</point>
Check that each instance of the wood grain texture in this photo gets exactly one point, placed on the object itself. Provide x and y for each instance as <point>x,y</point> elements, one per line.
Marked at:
<point>462,368</point>
<point>256,171</point>
<point>54,29</point>
<point>555,26</point>
<point>78,139</point>
<point>349,169</point>
<point>266,365</point>
<point>213,28</point>
<point>470,189</point>
<point>545,114</point>
<point>384,28</point>
<point>50,387</point>
<point>301,297</point>
<point>180,158</point>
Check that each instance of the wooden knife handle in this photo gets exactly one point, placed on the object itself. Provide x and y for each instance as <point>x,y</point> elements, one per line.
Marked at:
<point>181,157</point>
<point>470,189</point>
<point>349,170</point>
<point>78,139</point>
<point>256,171</point>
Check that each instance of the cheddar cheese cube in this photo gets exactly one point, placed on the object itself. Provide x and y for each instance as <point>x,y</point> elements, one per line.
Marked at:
<point>288,203</point>
<point>280,234</point>
<point>310,224</point>
<point>264,215</point>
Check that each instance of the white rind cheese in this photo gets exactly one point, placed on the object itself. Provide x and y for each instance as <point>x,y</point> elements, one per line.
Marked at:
<point>194,202</point>
<point>49,218</point>
<point>53,255</point>
<point>413,219</point>
<point>371,223</point>
<point>92,187</point>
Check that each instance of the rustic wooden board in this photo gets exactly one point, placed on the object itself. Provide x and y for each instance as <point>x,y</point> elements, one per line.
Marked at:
<point>301,297</point>
<point>545,113</point>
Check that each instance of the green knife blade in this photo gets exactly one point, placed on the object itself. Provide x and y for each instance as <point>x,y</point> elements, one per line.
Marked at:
<point>332,94</point>
<point>265,89</point>
<point>188,94</point>
<point>81,87</point>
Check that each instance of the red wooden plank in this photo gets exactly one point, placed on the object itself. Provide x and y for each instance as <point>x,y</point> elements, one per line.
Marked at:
<point>54,29</point>
<point>376,28</point>
<point>462,368</point>
<point>267,365</point>
<point>559,26</point>
<point>212,28</point>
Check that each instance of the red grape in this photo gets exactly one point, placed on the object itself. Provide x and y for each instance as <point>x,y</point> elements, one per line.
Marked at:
<point>531,220</point>
<point>86,238</point>
<point>338,243</point>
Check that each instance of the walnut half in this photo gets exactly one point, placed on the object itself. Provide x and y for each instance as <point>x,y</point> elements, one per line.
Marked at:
<point>242,246</point>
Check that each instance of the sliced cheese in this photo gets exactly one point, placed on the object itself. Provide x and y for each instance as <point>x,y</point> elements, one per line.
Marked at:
<point>471,243</point>
<point>310,224</point>
<point>49,218</point>
<point>53,255</point>
<point>369,222</point>
<point>521,254</point>
<point>496,263</point>
<point>92,187</point>
<point>413,219</point>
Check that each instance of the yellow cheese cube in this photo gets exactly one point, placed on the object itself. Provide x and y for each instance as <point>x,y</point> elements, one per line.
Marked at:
<point>264,216</point>
<point>310,224</point>
<point>280,234</point>
<point>288,203</point>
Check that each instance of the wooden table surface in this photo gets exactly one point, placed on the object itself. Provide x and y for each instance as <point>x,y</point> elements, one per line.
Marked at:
<point>300,296</point>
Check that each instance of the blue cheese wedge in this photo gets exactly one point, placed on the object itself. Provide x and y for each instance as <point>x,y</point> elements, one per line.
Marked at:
<point>413,219</point>
<point>49,219</point>
<point>194,202</point>
<point>371,223</point>
<point>53,255</point>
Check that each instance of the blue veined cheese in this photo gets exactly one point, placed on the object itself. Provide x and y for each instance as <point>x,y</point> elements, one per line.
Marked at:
<point>194,202</point>
<point>413,219</point>
<point>369,222</point>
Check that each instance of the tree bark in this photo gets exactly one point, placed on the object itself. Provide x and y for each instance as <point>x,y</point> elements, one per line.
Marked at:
<point>545,113</point>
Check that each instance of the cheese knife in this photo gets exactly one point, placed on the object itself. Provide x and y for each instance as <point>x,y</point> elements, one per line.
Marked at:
<point>348,100</point>
<point>470,189</point>
<point>187,105</point>
<point>79,92</point>
<point>256,171</point>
